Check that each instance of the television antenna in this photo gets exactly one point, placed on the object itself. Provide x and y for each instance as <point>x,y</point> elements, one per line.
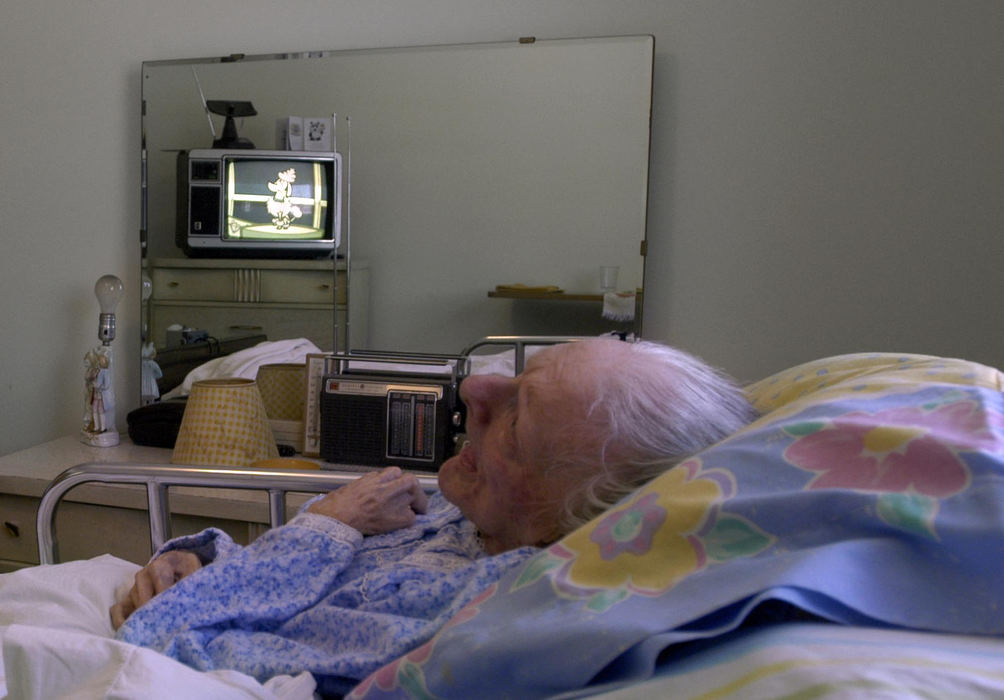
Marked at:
<point>229,109</point>
<point>205,107</point>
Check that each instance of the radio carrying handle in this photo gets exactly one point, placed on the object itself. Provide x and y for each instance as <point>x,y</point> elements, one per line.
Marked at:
<point>461,362</point>
<point>459,365</point>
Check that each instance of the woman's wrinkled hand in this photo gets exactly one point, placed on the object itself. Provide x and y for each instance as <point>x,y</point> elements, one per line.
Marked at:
<point>156,577</point>
<point>375,503</point>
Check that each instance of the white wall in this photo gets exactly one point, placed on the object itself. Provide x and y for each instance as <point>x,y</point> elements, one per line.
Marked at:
<point>826,177</point>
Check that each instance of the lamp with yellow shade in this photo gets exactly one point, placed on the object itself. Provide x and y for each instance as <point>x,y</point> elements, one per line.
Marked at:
<point>224,424</point>
<point>283,391</point>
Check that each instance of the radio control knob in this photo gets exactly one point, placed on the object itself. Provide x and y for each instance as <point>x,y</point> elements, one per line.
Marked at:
<point>457,419</point>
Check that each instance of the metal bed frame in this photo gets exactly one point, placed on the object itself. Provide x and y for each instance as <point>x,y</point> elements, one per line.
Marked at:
<point>159,478</point>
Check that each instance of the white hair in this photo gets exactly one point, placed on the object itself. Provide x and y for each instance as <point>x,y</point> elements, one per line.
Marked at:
<point>657,408</point>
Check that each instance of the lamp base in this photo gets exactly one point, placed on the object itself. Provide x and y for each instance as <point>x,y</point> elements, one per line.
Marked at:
<point>109,438</point>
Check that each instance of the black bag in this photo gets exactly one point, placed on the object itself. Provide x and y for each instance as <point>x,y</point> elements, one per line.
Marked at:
<point>156,424</point>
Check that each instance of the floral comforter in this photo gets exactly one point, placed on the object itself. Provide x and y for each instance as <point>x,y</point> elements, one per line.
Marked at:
<point>871,493</point>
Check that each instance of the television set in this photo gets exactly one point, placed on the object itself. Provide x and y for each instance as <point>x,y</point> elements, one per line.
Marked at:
<point>247,203</point>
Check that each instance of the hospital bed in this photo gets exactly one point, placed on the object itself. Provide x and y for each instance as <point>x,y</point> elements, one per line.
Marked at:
<point>848,543</point>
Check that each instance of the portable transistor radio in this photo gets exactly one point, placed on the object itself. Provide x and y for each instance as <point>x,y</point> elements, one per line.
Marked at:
<point>380,409</point>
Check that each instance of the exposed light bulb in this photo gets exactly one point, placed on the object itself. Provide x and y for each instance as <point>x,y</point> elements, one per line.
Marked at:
<point>108,290</point>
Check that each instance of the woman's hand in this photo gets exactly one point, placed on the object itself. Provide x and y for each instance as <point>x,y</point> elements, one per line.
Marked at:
<point>156,577</point>
<point>377,502</point>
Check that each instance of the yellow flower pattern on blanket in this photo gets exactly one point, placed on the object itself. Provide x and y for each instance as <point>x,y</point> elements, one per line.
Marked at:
<point>647,545</point>
<point>613,553</point>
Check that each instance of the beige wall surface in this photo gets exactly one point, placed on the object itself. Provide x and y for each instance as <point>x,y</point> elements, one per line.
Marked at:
<point>825,177</point>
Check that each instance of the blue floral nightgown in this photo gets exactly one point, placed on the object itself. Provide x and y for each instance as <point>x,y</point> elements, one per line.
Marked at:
<point>316,595</point>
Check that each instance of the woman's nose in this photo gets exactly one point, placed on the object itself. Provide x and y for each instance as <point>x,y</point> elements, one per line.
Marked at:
<point>484,393</point>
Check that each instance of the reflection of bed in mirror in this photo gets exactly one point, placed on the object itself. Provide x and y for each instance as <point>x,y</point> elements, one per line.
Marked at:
<point>472,166</point>
<point>176,363</point>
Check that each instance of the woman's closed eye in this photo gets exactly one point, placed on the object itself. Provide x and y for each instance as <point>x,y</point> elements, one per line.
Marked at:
<point>511,437</point>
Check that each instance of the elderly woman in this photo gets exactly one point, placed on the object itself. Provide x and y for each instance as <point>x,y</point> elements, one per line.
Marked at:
<point>374,569</point>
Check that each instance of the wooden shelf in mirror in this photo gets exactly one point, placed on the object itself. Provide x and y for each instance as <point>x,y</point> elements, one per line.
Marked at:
<point>546,296</point>
<point>561,296</point>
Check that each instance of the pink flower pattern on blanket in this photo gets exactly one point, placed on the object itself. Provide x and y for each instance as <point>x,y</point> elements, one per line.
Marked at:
<point>909,455</point>
<point>898,449</point>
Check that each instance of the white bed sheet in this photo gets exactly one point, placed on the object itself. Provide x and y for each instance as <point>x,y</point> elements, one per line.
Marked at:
<point>819,660</point>
<point>57,642</point>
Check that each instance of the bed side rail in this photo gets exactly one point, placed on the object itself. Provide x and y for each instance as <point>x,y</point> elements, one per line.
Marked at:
<point>159,477</point>
<point>519,344</point>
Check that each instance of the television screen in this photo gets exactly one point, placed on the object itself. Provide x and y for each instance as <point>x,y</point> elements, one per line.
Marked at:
<point>251,203</point>
<point>274,200</point>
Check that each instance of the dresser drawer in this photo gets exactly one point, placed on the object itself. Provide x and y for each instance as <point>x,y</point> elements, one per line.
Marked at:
<point>193,285</point>
<point>301,286</point>
<point>290,321</point>
<point>247,284</point>
<point>84,531</point>
<point>17,529</point>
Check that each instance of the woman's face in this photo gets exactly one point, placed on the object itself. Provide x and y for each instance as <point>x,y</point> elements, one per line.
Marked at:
<point>514,425</point>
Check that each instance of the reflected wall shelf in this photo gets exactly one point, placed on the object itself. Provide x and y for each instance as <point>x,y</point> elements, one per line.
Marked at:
<point>562,296</point>
<point>556,296</point>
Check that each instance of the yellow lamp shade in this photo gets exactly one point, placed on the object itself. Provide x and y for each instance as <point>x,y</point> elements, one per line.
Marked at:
<point>282,387</point>
<point>284,393</point>
<point>224,424</point>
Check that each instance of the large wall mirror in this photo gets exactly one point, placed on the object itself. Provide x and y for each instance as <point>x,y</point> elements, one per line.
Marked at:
<point>471,166</point>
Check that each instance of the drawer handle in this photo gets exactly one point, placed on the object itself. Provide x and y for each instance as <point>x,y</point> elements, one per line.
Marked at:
<point>12,529</point>
<point>174,284</point>
<point>324,287</point>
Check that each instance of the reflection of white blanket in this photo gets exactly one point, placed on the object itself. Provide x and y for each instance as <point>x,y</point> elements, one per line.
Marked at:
<point>57,642</point>
<point>245,363</point>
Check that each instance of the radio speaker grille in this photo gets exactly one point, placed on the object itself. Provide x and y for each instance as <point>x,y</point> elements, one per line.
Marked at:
<point>353,429</point>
